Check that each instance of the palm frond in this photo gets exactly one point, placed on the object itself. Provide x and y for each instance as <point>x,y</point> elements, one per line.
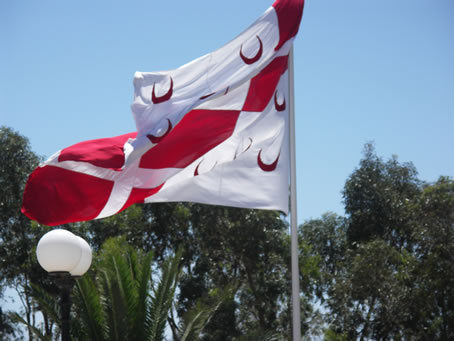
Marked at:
<point>126,285</point>
<point>195,320</point>
<point>36,331</point>
<point>47,302</point>
<point>162,298</point>
<point>114,307</point>
<point>143,283</point>
<point>89,310</point>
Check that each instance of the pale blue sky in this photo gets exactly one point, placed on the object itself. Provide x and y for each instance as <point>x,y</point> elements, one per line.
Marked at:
<point>365,70</point>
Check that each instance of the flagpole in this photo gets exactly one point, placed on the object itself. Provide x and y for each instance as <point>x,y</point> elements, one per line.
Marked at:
<point>296,318</point>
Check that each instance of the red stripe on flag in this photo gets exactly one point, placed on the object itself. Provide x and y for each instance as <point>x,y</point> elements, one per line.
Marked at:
<point>105,152</point>
<point>55,196</point>
<point>263,85</point>
<point>289,14</point>
<point>196,134</point>
<point>138,195</point>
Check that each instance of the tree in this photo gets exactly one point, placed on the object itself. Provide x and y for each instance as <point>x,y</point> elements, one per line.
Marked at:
<point>18,236</point>
<point>433,274</point>
<point>378,199</point>
<point>386,270</point>
<point>244,247</point>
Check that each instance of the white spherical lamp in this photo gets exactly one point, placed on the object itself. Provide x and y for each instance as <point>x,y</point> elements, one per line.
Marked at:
<point>62,251</point>
<point>84,261</point>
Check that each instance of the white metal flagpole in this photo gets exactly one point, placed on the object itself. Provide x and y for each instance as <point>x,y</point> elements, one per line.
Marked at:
<point>296,318</point>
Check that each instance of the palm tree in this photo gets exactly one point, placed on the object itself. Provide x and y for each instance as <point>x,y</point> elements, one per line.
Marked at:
<point>120,299</point>
<point>122,302</point>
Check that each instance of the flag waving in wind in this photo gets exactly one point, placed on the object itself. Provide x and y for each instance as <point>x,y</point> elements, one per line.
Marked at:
<point>212,131</point>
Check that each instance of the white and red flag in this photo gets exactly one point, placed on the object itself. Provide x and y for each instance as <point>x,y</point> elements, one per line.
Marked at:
<point>213,131</point>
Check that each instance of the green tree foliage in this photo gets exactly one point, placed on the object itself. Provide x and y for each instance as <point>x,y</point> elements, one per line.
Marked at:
<point>16,163</point>
<point>433,273</point>
<point>246,249</point>
<point>379,198</point>
<point>18,236</point>
<point>386,269</point>
<point>250,249</point>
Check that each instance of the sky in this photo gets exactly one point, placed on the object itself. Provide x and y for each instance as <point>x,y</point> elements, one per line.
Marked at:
<point>365,71</point>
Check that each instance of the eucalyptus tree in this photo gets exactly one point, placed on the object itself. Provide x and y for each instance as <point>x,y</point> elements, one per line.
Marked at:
<point>386,267</point>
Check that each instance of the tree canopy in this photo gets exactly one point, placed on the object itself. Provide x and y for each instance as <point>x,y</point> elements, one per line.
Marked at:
<point>386,268</point>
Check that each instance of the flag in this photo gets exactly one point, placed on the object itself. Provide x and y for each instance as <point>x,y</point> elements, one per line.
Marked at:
<point>212,131</point>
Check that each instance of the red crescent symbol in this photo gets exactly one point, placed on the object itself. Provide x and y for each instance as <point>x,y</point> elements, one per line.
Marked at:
<point>267,168</point>
<point>196,171</point>
<point>256,57</point>
<point>157,139</point>
<point>206,96</point>
<point>279,107</point>
<point>162,98</point>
